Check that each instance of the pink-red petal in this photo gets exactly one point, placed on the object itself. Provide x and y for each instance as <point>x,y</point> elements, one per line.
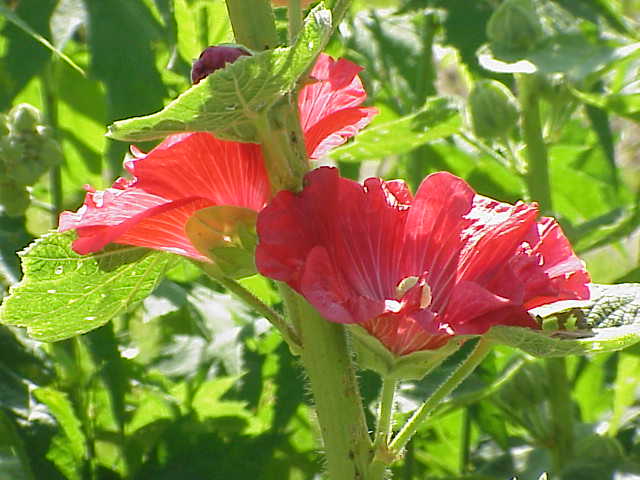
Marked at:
<point>330,111</point>
<point>198,164</point>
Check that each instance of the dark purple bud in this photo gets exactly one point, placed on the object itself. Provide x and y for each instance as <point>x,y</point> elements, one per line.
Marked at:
<point>213,58</point>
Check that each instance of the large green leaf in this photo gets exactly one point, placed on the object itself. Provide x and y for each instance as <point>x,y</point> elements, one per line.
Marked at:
<point>439,118</point>
<point>228,102</point>
<point>63,294</point>
<point>609,321</point>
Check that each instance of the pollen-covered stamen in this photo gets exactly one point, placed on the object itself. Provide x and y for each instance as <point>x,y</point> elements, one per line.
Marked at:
<point>413,293</point>
<point>425,296</point>
<point>405,285</point>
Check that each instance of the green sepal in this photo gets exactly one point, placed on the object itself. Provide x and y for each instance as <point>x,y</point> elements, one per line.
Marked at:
<point>607,322</point>
<point>229,101</point>
<point>227,235</point>
<point>373,355</point>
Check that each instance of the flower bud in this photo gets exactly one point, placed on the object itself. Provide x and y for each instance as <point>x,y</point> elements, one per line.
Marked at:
<point>214,58</point>
<point>515,26</point>
<point>493,109</point>
<point>24,118</point>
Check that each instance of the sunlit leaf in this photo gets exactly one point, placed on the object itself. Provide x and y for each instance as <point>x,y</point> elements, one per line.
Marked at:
<point>229,101</point>
<point>609,321</point>
<point>63,294</point>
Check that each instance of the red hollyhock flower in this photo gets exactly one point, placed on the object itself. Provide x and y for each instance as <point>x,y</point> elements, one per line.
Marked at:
<point>415,271</point>
<point>188,172</point>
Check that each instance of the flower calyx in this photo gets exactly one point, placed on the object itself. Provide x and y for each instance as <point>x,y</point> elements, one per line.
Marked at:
<point>371,354</point>
<point>225,234</point>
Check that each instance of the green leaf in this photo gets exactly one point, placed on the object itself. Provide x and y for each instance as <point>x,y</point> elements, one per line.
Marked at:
<point>439,118</point>
<point>63,294</point>
<point>228,101</point>
<point>608,322</point>
<point>62,410</point>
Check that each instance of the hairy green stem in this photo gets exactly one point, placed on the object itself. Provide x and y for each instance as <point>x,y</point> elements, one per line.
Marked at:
<point>253,23</point>
<point>327,360</point>
<point>383,433</point>
<point>339,9</point>
<point>295,19</point>
<point>283,146</point>
<point>561,413</point>
<point>537,175</point>
<point>459,375</point>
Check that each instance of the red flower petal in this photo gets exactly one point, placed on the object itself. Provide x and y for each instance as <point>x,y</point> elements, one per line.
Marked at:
<point>414,272</point>
<point>181,175</point>
<point>330,111</point>
<point>198,164</point>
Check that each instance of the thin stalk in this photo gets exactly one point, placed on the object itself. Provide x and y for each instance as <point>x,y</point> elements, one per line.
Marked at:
<point>327,360</point>
<point>51,116</point>
<point>561,413</point>
<point>289,334</point>
<point>253,23</point>
<point>459,375</point>
<point>295,19</point>
<point>338,12</point>
<point>537,175</point>
<point>383,430</point>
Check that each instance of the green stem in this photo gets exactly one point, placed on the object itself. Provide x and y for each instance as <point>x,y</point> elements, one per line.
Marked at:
<point>295,19</point>
<point>327,360</point>
<point>459,375</point>
<point>51,116</point>
<point>288,333</point>
<point>338,10</point>
<point>383,431</point>
<point>253,23</point>
<point>561,413</point>
<point>537,176</point>
<point>283,146</point>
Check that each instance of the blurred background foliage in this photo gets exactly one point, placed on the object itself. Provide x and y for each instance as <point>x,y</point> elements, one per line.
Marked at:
<point>191,384</point>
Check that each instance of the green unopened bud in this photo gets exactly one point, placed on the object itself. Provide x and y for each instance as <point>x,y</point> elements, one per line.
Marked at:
<point>24,118</point>
<point>14,199</point>
<point>493,109</point>
<point>514,27</point>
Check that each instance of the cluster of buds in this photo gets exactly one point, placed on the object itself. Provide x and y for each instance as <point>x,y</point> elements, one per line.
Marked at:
<point>27,151</point>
